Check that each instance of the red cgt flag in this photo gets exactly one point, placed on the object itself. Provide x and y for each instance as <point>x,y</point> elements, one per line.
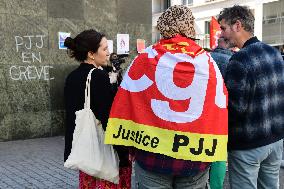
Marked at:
<point>172,101</point>
<point>215,32</point>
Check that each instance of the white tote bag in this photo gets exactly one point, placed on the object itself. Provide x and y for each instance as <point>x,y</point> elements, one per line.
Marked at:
<point>89,153</point>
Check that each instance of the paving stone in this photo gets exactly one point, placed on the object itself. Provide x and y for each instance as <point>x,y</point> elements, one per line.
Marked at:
<point>33,164</point>
<point>38,164</point>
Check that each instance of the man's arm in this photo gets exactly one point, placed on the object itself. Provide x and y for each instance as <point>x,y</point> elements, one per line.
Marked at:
<point>238,83</point>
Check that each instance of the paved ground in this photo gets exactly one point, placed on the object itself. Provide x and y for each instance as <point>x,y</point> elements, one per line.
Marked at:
<point>38,163</point>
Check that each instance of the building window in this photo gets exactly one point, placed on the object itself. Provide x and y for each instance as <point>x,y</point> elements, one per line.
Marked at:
<point>167,4</point>
<point>187,2</point>
<point>273,23</point>
<point>160,5</point>
<point>207,27</point>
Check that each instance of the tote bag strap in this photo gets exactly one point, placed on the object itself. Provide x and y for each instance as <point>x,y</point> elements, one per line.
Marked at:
<point>88,90</point>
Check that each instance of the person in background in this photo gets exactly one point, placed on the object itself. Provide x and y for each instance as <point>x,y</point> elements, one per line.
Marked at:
<point>157,102</point>
<point>255,81</point>
<point>90,49</point>
<point>221,55</point>
<point>282,52</point>
<point>163,171</point>
<point>114,70</point>
<point>116,62</point>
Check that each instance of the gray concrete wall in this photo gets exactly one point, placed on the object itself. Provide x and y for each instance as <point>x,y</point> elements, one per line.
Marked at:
<point>33,69</point>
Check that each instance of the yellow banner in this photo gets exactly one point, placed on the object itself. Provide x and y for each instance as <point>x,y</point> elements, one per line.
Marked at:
<point>177,144</point>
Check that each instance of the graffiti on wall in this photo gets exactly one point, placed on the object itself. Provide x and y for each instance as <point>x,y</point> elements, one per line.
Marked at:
<point>30,72</point>
<point>28,47</point>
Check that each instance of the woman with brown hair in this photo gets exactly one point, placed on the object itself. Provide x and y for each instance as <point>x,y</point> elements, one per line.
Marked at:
<point>91,50</point>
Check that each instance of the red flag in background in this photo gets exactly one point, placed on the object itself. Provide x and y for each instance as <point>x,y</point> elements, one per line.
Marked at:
<point>215,32</point>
